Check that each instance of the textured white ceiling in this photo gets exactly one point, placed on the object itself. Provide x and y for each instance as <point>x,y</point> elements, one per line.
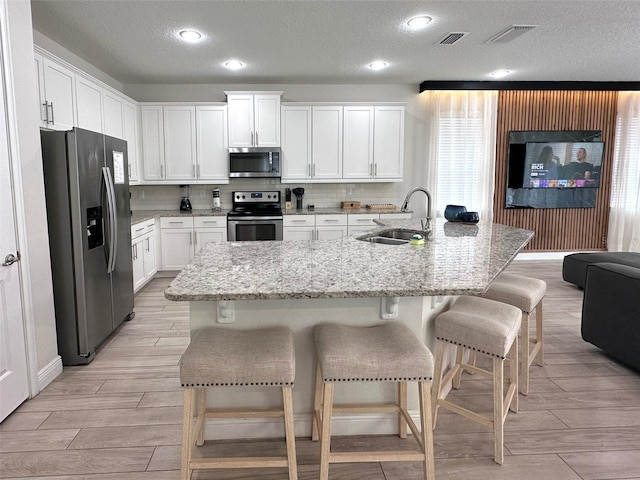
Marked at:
<point>314,41</point>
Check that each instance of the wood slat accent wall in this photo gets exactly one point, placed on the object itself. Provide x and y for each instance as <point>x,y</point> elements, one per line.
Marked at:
<point>561,229</point>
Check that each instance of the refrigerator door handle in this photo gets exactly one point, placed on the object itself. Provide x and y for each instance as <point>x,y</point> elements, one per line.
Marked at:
<point>106,175</point>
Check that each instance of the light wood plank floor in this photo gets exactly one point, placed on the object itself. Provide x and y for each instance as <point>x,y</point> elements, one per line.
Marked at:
<point>119,417</point>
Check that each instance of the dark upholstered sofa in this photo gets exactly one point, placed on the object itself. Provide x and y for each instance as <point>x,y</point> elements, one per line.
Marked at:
<point>611,305</point>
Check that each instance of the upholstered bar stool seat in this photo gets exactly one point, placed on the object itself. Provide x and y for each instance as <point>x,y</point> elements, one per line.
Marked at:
<point>219,357</point>
<point>526,293</point>
<point>390,352</point>
<point>485,327</point>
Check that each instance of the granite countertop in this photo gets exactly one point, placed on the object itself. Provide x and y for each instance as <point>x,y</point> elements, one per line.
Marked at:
<point>456,259</point>
<point>143,215</point>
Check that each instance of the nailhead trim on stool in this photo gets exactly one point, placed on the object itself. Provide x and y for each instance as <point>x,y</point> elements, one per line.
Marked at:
<point>389,352</point>
<point>236,358</point>
<point>526,293</point>
<point>490,328</point>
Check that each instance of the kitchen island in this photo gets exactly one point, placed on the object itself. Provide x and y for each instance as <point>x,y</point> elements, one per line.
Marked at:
<point>300,284</point>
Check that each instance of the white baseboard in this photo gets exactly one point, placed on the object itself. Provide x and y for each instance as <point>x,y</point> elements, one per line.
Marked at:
<point>370,424</point>
<point>49,373</point>
<point>542,255</point>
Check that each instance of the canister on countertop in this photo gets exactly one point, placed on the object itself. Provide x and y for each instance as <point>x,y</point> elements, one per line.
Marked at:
<point>216,198</point>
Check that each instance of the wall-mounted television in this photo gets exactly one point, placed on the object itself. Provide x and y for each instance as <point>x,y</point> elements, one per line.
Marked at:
<point>554,169</point>
<point>563,164</point>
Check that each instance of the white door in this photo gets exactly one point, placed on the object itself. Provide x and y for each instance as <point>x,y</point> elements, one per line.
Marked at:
<point>327,143</point>
<point>130,132</point>
<point>152,143</point>
<point>240,112</point>
<point>207,235</point>
<point>14,382</point>
<point>212,146</point>
<point>298,233</point>
<point>60,93</point>
<point>388,149</point>
<point>149,255</point>
<point>358,143</point>
<point>113,108</point>
<point>89,105</point>
<point>296,143</point>
<point>137,257</point>
<point>330,233</point>
<point>177,248</point>
<point>267,120</point>
<point>180,142</point>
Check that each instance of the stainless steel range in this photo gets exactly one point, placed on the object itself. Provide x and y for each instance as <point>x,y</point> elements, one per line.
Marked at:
<point>255,216</point>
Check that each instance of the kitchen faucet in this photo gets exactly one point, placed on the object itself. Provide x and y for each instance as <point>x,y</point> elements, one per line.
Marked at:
<point>426,227</point>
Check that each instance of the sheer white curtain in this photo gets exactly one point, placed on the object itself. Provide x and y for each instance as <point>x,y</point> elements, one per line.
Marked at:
<point>624,215</point>
<point>461,135</point>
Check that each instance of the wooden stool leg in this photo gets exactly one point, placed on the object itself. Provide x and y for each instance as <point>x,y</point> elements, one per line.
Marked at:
<point>290,434</point>
<point>458,376</point>
<point>187,433</point>
<point>539,335</point>
<point>317,404</point>
<point>437,380</point>
<point>325,439</point>
<point>498,409</point>
<point>513,374</point>
<point>201,401</point>
<point>402,403</point>
<point>426,432</point>
<point>524,355</point>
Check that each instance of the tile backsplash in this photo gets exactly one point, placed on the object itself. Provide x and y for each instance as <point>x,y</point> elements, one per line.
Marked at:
<point>166,197</point>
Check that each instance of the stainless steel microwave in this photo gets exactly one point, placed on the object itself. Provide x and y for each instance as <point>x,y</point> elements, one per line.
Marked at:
<point>254,162</point>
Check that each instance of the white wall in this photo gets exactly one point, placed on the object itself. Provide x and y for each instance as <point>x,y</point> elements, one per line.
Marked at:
<point>32,194</point>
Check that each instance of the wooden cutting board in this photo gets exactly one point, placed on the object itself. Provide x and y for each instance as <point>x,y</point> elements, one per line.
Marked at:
<point>381,206</point>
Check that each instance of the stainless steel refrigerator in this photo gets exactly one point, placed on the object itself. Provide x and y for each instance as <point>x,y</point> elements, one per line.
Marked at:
<point>87,195</point>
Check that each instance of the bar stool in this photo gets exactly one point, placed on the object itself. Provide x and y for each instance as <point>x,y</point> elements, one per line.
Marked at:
<point>526,293</point>
<point>384,353</point>
<point>485,327</point>
<point>219,357</point>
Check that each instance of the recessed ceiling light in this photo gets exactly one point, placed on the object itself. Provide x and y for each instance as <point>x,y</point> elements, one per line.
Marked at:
<point>234,65</point>
<point>378,65</point>
<point>500,73</point>
<point>419,22</point>
<point>190,35</point>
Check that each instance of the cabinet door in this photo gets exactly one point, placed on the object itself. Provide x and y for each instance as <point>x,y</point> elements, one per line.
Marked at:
<point>130,132</point>
<point>298,233</point>
<point>180,142</point>
<point>60,93</point>
<point>88,105</point>
<point>42,108</point>
<point>358,143</point>
<point>152,143</point>
<point>326,152</point>
<point>149,255</point>
<point>267,120</point>
<point>296,143</point>
<point>177,248</point>
<point>330,233</point>
<point>114,116</point>
<point>137,256</point>
<point>212,146</point>
<point>388,148</point>
<point>206,235</point>
<point>241,131</point>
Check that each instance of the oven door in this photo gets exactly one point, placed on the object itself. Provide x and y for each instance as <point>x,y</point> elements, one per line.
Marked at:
<point>245,229</point>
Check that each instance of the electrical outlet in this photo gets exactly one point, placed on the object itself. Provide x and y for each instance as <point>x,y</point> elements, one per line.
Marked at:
<point>141,194</point>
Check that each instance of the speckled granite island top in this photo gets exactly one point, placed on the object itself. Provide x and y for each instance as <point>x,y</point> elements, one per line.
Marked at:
<point>457,259</point>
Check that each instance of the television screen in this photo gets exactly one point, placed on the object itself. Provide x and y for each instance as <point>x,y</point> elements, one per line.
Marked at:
<point>562,164</point>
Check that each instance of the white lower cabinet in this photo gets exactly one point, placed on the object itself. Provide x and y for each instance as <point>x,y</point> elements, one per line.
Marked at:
<point>329,227</point>
<point>314,227</point>
<point>182,238</point>
<point>358,223</point>
<point>143,253</point>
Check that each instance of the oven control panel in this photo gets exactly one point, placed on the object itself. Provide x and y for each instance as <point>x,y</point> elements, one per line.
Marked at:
<point>256,197</point>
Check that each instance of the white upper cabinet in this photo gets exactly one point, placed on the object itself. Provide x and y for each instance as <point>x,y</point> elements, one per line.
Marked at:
<point>254,119</point>
<point>180,142</point>
<point>58,95</point>
<point>130,134</point>
<point>89,105</point>
<point>296,143</point>
<point>326,149</point>
<point>113,108</point>
<point>152,142</point>
<point>358,142</point>
<point>388,146</point>
<point>212,149</point>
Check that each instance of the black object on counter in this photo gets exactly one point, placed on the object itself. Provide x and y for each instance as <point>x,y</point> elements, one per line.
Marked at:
<point>299,193</point>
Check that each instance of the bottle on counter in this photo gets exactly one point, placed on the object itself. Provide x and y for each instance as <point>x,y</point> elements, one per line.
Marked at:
<point>216,199</point>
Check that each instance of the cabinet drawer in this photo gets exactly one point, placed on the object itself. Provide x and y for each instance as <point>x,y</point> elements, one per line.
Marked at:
<point>395,216</point>
<point>299,220</point>
<point>176,222</point>
<point>362,219</point>
<point>330,220</point>
<point>142,228</point>
<point>213,222</point>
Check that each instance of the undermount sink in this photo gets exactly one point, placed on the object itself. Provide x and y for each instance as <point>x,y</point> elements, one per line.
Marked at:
<point>394,236</point>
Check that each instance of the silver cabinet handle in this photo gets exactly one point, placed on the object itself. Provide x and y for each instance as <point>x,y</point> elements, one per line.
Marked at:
<point>11,259</point>
<point>256,139</point>
<point>46,112</point>
<point>314,169</point>
<point>161,171</point>
<point>193,171</point>
<point>375,169</point>
<point>52,118</point>
<point>190,238</point>
<point>198,171</point>
<point>309,169</point>
<point>148,245</point>
<point>252,139</point>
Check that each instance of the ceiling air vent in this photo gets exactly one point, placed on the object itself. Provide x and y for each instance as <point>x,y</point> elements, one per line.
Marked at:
<point>511,33</point>
<point>451,38</point>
